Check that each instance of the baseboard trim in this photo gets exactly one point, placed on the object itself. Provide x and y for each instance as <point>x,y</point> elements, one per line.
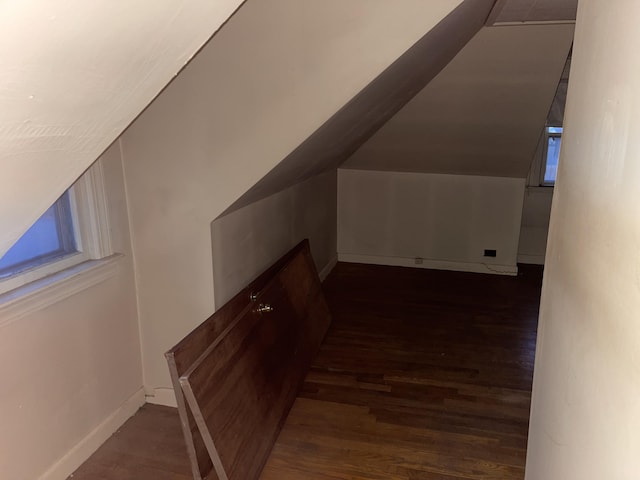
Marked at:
<point>531,259</point>
<point>511,270</point>
<point>164,396</point>
<point>324,273</point>
<point>70,462</point>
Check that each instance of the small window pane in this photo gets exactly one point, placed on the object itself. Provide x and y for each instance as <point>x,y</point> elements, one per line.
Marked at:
<point>52,236</point>
<point>553,154</point>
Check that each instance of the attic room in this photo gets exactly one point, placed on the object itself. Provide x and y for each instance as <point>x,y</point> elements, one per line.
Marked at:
<point>204,140</point>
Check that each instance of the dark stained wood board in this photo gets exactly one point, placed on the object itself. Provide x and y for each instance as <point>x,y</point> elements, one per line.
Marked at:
<point>302,284</point>
<point>242,387</point>
<point>304,287</point>
<point>187,351</point>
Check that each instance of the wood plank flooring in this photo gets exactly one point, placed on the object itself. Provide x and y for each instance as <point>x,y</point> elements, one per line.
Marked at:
<point>150,446</point>
<point>423,375</point>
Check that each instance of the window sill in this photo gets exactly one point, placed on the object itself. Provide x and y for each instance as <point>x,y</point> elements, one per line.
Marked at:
<point>42,293</point>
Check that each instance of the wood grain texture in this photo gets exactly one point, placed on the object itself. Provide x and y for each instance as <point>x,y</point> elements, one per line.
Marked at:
<point>242,386</point>
<point>148,447</point>
<point>422,375</point>
<point>182,356</point>
<point>242,390</point>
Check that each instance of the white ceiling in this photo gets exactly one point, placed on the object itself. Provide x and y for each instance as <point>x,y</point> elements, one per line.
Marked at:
<point>536,10</point>
<point>74,74</point>
<point>483,114</point>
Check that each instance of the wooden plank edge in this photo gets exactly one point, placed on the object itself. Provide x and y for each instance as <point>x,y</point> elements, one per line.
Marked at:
<point>204,430</point>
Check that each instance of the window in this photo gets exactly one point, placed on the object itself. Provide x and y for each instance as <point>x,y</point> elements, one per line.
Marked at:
<point>72,231</point>
<point>49,239</point>
<point>553,136</point>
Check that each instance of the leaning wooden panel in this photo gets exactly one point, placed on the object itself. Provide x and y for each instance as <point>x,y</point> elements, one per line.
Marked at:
<point>300,279</point>
<point>185,353</point>
<point>242,389</point>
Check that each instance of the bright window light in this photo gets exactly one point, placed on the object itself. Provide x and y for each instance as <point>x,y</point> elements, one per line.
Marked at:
<point>552,155</point>
<point>51,237</point>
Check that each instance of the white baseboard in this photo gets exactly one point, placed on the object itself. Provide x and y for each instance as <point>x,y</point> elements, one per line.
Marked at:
<point>531,259</point>
<point>324,273</point>
<point>511,270</point>
<point>162,396</point>
<point>89,444</point>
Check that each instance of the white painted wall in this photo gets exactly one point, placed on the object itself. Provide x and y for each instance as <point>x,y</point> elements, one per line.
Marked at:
<point>536,211</point>
<point>248,240</point>
<point>448,220</point>
<point>274,74</point>
<point>67,367</point>
<point>74,75</point>
<point>585,418</point>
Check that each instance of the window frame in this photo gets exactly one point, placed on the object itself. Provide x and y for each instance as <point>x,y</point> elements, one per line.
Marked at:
<point>90,218</point>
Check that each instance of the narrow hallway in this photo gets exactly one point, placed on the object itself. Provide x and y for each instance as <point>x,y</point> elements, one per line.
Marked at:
<point>424,374</point>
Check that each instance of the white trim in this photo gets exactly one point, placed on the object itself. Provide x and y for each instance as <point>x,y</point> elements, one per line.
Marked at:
<point>161,396</point>
<point>89,444</point>
<point>90,217</point>
<point>511,270</point>
<point>324,273</point>
<point>93,213</point>
<point>530,259</point>
<point>15,282</point>
<point>49,290</point>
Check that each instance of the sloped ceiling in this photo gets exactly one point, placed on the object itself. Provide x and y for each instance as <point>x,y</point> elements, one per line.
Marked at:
<point>353,124</point>
<point>74,74</point>
<point>483,114</point>
<point>276,72</point>
<point>556,113</point>
<point>508,11</point>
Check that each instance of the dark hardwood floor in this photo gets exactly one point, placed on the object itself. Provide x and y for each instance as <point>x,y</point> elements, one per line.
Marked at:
<point>423,375</point>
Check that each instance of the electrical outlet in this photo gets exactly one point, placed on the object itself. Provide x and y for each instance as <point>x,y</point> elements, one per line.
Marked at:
<point>418,260</point>
<point>489,253</point>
